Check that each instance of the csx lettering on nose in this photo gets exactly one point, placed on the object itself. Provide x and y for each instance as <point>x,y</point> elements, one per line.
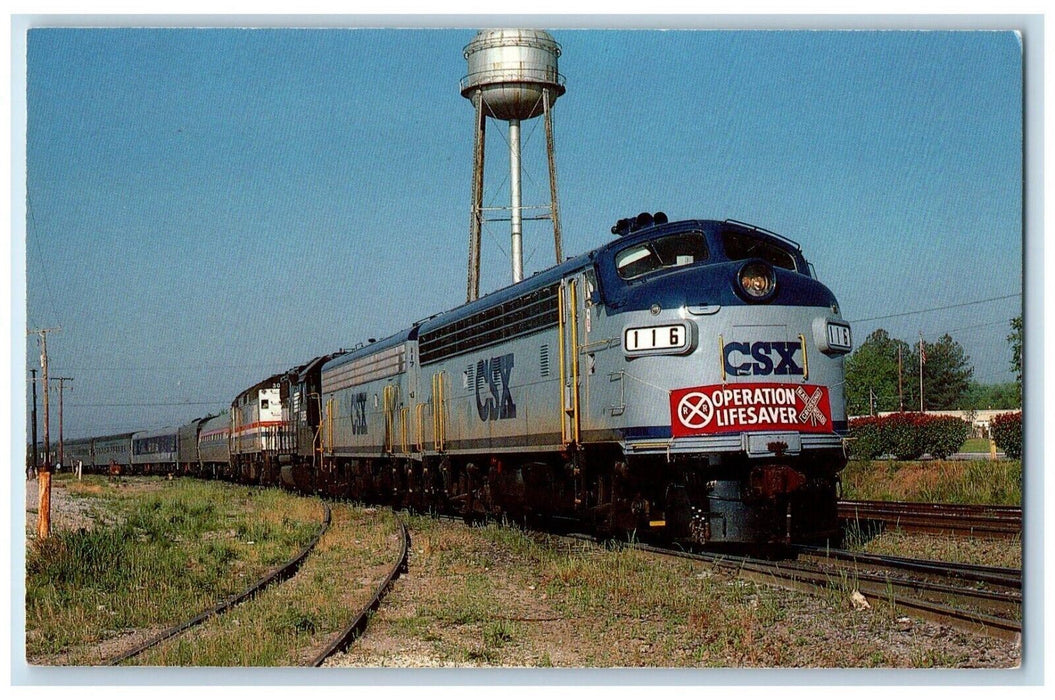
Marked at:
<point>762,357</point>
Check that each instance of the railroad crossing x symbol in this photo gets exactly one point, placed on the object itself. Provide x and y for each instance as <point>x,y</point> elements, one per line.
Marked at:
<point>692,406</point>
<point>810,410</point>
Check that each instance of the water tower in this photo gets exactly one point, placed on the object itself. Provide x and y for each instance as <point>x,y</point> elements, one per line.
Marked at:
<point>512,77</point>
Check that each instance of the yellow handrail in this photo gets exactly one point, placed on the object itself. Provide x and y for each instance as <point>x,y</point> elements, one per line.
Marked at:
<point>721,356</point>
<point>574,360</point>
<point>419,409</point>
<point>560,343</point>
<point>443,416</point>
<point>318,431</point>
<point>390,417</point>
<point>805,359</point>
<point>434,398</point>
<point>439,427</point>
<point>329,424</point>
<point>403,427</point>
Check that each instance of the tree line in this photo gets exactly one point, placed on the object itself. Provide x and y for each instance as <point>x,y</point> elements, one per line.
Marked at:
<point>883,374</point>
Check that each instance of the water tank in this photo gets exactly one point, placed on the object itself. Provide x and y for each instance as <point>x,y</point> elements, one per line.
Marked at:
<point>511,67</point>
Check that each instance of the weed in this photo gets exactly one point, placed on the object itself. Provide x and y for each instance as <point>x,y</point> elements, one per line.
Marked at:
<point>497,633</point>
<point>298,620</point>
<point>968,481</point>
<point>154,559</point>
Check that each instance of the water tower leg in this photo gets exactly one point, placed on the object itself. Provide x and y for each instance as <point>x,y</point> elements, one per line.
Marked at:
<point>551,156</point>
<point>476,215</point>
<point>516,243</point>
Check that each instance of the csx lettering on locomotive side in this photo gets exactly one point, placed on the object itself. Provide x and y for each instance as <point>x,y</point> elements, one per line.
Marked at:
<point>770,357</point>
<point>359,414</point>
<point>495,373</point>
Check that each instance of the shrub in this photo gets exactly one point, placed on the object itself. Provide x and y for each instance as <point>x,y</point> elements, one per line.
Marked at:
<point>867,438</point>
<point>943,435</point>
<point>1006,429</point>
<point>906,436</point>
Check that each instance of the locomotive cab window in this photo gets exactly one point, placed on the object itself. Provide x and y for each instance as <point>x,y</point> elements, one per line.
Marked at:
<point>740,246</point>
<point>662,253</point>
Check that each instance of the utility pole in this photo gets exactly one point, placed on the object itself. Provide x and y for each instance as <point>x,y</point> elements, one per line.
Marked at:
<point>900,392</point>
<point>44,475</point>
<point>61,380</point>
<point>922,361</point>
<point>33,449</point>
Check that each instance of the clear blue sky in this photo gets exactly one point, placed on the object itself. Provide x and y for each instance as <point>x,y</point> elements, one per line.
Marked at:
<point>207,207</point>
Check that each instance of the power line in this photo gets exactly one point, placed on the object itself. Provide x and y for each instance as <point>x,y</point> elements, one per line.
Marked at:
<point>48,296</point>
<point>148,405</point>
<point>936,308</point>
<point>178,367</point>
<point>980,325</point>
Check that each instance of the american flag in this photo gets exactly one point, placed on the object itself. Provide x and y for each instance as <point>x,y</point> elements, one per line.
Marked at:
<point>922,351</point>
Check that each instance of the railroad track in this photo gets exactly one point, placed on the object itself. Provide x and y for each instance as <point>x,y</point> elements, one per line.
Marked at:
<point>956,600</point>
<point>937,518</point>
<point>351,632</point>
<point>990,590</point>
<point>283,572</point>
<point>337,643</point>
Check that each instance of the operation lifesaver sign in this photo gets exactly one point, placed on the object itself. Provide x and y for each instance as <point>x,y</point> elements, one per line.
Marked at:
<point>724,408</point>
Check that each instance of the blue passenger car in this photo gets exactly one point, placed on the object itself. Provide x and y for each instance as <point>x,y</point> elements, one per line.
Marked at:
<point>156,451</point>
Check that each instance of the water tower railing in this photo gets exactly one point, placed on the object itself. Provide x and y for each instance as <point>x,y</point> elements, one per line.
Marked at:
<point>498,76</point>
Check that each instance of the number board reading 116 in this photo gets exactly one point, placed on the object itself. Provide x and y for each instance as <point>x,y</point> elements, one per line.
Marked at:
<point>839,336</point>
<point>673,337</point>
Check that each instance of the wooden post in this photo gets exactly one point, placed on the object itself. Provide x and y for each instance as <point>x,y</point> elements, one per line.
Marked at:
<point>44,475</point>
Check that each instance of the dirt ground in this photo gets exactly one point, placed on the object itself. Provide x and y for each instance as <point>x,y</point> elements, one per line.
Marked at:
<point>66,513</point>
<point>471,601</point>
<point>518,624</point>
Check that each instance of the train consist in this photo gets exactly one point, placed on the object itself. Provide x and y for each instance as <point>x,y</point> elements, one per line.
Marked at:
<point>686,379</point>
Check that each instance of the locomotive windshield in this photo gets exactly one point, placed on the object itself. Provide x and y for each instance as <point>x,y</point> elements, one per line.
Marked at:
<point>670,251</point>
<point>739,246</point>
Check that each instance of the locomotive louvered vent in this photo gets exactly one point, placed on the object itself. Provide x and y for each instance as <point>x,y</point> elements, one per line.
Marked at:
<point>528,313</point>
<point>543,360</point>
<point>468,377</point>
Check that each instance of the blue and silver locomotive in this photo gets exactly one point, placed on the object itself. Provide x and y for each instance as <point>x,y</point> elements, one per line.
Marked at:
<point>686,378</point>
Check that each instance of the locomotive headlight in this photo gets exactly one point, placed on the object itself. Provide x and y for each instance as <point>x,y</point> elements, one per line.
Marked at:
<point>757,281</point>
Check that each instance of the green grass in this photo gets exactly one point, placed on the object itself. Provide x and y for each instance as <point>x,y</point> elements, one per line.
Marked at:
<point>287,624</point>
<point>165,551</point>
<point>486,596</point>
<point>976,445</point>
<point>970,481</point>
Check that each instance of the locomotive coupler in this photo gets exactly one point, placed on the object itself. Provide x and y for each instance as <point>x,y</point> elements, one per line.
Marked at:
<point>769,481</point>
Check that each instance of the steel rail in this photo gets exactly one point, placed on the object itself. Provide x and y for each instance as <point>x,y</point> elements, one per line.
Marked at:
<point>995,575</point>
<point>796,577</point>
<point>352,631</point>
<point>922,506</point>
<point>277,575</point>
<point>1006,603</point>
<point>972,520</point>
